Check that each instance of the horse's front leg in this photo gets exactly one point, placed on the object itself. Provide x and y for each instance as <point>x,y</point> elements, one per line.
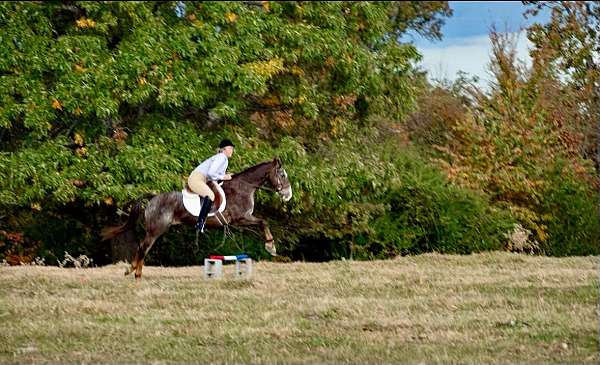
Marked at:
<point>269,241</point>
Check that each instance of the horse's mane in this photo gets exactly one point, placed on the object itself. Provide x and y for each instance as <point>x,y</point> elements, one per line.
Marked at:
<point>251,169</point>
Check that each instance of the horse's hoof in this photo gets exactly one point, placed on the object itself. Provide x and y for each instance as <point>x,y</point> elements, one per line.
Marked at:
<point>271,250</point>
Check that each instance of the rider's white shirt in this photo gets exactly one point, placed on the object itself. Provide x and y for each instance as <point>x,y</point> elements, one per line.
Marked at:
<point>214,168</point>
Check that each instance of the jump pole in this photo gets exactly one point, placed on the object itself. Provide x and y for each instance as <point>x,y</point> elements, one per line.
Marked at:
<point>213,265</point>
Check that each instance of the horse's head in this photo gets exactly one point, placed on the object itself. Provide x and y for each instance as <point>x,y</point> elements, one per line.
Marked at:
<point>279,180</point>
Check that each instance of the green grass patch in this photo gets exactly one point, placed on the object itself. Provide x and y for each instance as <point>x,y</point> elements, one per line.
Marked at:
<point>494,308</point>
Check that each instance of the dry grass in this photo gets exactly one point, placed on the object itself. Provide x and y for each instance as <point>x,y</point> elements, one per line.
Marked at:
<point>488,308</point>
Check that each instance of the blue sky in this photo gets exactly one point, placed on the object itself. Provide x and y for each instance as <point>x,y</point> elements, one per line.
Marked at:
<point>466,45</point>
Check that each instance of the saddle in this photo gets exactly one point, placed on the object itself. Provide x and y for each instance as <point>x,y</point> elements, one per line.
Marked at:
<point>192,201</point>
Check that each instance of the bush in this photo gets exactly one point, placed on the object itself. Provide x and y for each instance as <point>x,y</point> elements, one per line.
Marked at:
<point>48,234</point>
<point>425,213</point>
<point>570,208</point>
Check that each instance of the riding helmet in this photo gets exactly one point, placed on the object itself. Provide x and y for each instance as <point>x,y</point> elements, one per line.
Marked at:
<point>224,143</point>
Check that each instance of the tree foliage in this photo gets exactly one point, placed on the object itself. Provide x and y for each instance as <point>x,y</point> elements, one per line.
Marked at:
<point>105,101</point>
<point>569,45</point>
<point>521,144</point>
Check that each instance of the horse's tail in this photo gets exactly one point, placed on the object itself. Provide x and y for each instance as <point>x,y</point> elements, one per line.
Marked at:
<point>111,232</point>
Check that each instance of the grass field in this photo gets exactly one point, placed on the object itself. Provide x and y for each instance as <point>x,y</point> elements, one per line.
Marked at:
<point>487,308</point>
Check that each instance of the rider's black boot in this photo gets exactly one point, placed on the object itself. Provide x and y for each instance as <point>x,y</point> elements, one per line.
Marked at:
<point>204,210</point>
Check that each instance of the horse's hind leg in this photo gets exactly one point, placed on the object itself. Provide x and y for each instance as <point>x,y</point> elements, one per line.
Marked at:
<point>143,248</point>
<point>138,261</point>
<point>139,255</point>
<point>158,217</point>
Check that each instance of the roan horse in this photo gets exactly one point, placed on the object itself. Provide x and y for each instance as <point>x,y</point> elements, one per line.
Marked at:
<point>167,209</point>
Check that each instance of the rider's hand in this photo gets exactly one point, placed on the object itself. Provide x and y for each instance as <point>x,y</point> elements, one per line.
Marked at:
<point>227,177</point>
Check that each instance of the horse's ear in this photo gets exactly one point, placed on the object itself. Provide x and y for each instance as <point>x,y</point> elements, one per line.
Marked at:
<point>277,162</point>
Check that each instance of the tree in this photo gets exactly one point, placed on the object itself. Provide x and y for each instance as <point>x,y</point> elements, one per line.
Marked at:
<point>570,45</point>
<point>517,143</point>
<point>104,101</point>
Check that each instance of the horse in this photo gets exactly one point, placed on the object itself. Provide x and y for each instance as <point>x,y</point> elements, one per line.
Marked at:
<point>167,209</point>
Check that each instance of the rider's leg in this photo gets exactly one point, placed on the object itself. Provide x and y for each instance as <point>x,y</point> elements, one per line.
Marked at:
<point>204,210</point>
<point>197,183</point>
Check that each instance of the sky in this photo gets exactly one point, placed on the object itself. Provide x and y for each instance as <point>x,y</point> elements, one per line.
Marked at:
<point>465,45</point>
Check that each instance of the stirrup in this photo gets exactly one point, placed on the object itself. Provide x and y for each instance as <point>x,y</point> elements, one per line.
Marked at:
<point>200,226</point>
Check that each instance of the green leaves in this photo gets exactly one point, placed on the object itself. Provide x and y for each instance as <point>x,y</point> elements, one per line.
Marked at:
<point>101,102</point>
<point>95,59</point>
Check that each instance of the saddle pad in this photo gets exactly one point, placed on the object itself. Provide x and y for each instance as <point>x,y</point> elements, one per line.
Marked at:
<point>191,201</point>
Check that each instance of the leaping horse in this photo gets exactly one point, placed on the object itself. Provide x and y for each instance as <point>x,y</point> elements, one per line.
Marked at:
<point>167,209</point>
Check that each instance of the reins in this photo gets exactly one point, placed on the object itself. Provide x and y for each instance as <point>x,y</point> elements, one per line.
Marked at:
<point>260,186</point>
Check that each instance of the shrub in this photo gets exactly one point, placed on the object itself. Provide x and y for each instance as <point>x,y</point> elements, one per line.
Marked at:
<point>570,211</point>
<point>425,213</point>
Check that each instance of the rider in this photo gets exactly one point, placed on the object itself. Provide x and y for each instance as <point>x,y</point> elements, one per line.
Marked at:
<point>211,169</point>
